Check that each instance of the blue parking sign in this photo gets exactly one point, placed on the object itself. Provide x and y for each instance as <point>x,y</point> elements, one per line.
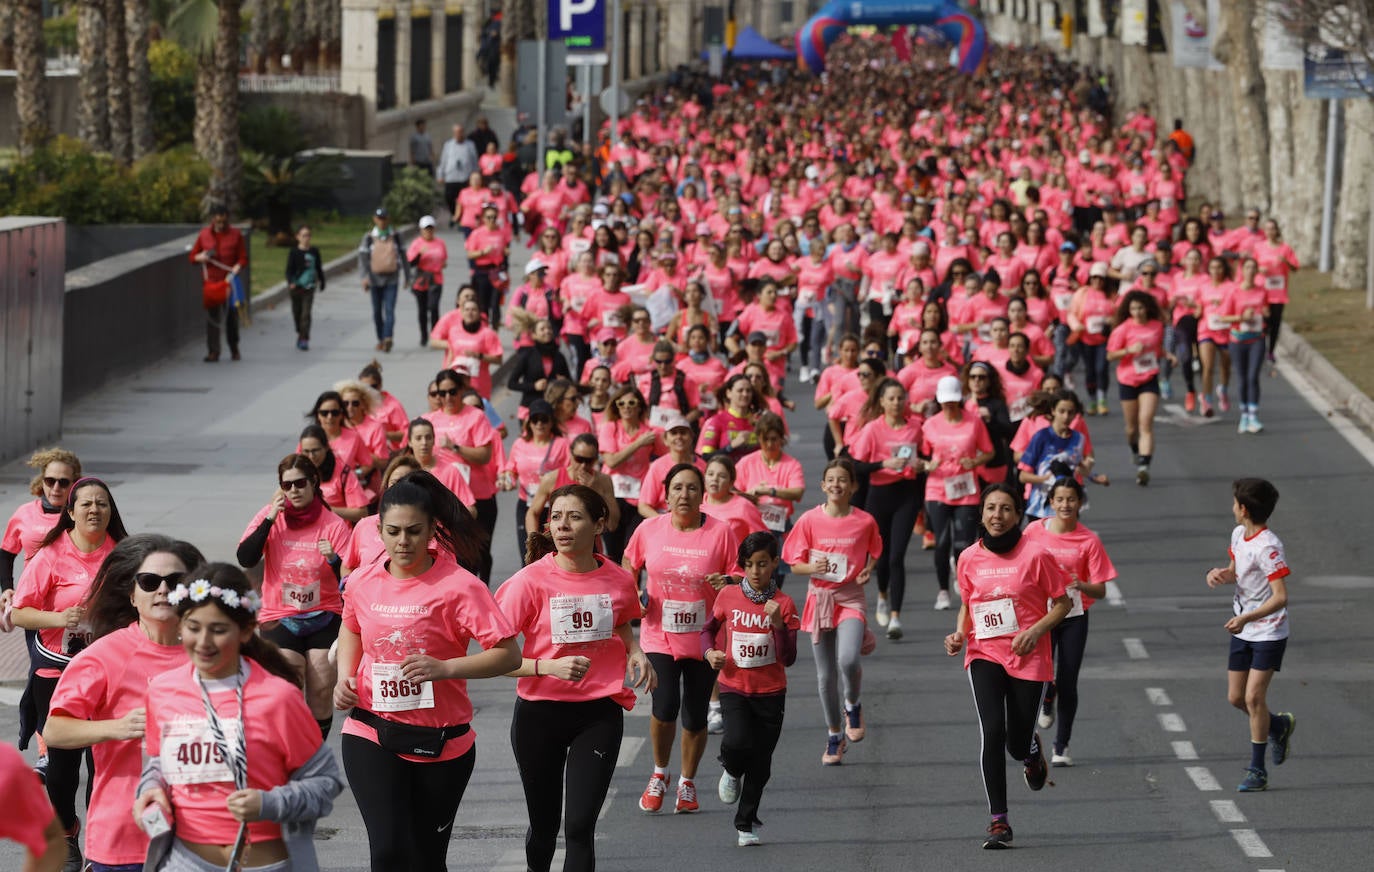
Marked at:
<point>580,24</point>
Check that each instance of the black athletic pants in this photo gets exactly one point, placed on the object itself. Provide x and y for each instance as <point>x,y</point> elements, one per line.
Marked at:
<point>1068,641</point>
<point>1007,709</point>
<point>894,506</point>
<point>63,779</point>
<point>486,517</point>
<point>752,727</point>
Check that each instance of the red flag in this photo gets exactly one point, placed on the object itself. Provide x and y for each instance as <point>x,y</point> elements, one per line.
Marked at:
<point>901,44</point>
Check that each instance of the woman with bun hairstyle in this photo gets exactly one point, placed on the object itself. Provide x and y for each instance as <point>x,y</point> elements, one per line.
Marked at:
<point>300,541</point>
<point>99,701</point>
<point>403,666</point>
<point>579,670</point>
<point>233,762</point>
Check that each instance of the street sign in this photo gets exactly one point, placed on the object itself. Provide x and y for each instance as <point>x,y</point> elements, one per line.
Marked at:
<point>588,59</point>
<point>578,24</point>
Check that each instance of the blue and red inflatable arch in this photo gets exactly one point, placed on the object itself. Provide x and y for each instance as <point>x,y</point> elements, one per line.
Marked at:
<point>953,21</point>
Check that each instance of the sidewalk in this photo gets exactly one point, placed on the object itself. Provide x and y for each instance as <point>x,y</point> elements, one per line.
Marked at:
<point>190,448</point>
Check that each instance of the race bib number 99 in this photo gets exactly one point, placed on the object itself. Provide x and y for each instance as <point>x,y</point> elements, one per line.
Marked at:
<point>578,619</point>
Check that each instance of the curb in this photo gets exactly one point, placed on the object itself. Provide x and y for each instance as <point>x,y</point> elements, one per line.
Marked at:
<point>1337,389</point>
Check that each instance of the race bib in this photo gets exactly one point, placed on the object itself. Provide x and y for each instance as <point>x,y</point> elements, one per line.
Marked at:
<point>659,416</point>
<point>190,754</point>
<point>467,363</point>
<point>684,616</point>
<point>1251,325</point>
<point>707,398</point>
<point>752,650</point>
<point>1145,361</point>
<point>577,303</point>
<point>626,486</point>
<point>301,597</point>
<point>1137,190</point>
<point>1273,283</point>
<point>1063,301</point>
<point>613,319</point>
<point>984,333</point>
<point>774,516</point>
<point>1076,597</point>
<point>1095,323</point>
<point>995,618</point>
<point>81,632</point>
<point>1216,322</point>
<point>958,487</point>
<point>837,566</point>
<point>574,620</point>
<point>392,692</point>
<point>577,246</point>
<point>1167,202</point>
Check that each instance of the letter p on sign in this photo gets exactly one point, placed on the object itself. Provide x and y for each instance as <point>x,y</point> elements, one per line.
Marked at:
<point>568,8</point>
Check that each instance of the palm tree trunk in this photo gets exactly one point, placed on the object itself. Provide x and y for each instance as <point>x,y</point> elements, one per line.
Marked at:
<point>31,85</point>
<point>204,125</point>
<point>257,34</point>
<point>226,167</point>
<point>332,37</point>
<point>276,34</point>
<point>316,19</point>
<point>140,78</point>
<point>298,41</point>
<point>117,64</point>
<point>92,120</point>
<point>7,42</point>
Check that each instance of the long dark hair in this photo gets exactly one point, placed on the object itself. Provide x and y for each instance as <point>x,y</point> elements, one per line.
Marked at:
<point>538,543</point>
<point>455,528</point>
<point>226,577</point>
<point>66,523</point>
<point>107,604</point>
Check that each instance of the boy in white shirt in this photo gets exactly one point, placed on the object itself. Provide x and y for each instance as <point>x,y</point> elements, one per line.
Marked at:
<point>1259,628</point>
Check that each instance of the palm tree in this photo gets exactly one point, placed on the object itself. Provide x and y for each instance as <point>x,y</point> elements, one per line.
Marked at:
<point>136,20</point>
<point>276,34</point>
<point>301,45</point>
<point>210,31</point>
<point>117,82</point>
<point>31,86</point>
<point>92,121</point>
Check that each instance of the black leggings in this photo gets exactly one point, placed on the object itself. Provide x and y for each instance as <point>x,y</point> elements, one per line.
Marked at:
<point>1185,341</point>
<point>64,764</point>
<point>486,516</point>
<point>427,306</point>
<point>752,727</point>
<point>408,807</point>
<point>683,686</point>
<point>1007,708</point>
<point>617,539</point>
<point>565,747</point>
<point>1067,641</point>
<point>955,528</point>
<point>1274,322</point>
<point>894,507</point>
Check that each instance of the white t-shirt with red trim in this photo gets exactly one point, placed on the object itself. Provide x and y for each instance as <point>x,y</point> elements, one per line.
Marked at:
<point>1259,560</point>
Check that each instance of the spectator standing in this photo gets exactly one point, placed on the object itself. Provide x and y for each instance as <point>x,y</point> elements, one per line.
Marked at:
<point>221,253</point>
<point>457,163</point>
<point>382,264</point>
<point>421,148</point>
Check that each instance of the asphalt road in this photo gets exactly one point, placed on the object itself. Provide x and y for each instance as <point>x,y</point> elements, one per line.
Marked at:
<point>191,448</point>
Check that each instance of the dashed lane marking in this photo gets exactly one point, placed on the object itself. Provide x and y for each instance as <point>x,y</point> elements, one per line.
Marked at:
<point>1114,596</point>
<point>1202,777</point>
<point>1184,750</point>
<point>1251,843</point>
<point>1135,649</point>
<point>606,806</point>
<point>1172,722</point>
<point>629,749</point>
<point>1227,811</point>
<point>1158,696</point>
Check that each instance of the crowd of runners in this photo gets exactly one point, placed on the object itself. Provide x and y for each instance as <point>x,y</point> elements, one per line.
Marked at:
<point>945,266</point>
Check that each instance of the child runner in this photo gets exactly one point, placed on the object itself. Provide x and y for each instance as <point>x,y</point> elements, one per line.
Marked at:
<point>757,624</point>
<point>838,546</point>
<point>1259,629</point>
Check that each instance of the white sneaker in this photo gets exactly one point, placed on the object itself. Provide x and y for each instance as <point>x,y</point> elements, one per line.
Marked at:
<point>1046,719</point>
<point>883,613</point>
<point>942,601</point>
<point>748,840</point>
<point>728,788</point>
<point>715,721</point>
<point>1062,760</point>
<point>894,628</point>
<point>1255,425</point>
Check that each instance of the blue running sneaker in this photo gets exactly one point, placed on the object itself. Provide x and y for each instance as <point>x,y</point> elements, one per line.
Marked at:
<point>1278,742</point>
<point>1255,781</point>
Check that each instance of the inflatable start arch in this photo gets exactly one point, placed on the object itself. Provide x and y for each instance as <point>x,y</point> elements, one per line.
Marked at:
<point>957,25</point>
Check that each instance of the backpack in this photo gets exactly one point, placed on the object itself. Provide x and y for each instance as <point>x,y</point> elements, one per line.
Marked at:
<point>385,255</point>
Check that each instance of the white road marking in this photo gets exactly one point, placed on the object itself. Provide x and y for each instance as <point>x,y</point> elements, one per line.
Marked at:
<point>1202,777</point>
<point>1227,811</point>
<point>1184,750</point>
<point>1114,597</point>
<point>1251,843</point>
<point>606,806</point>
<point>1348,429</point>
<point>1135,649</point>
<point>629,749</point>
<point>1171,722</point>
<point>1157,696</point>
<point>1178,416</point>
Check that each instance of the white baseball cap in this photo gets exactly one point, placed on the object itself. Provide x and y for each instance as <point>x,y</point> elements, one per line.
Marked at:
<point>534,266</point>
<point>949,390</point>
<point>427,221</point>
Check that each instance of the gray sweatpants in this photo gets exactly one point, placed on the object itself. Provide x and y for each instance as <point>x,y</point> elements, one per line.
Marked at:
<point>837,659</point>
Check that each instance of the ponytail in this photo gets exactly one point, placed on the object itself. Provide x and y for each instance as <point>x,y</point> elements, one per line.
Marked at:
<point>454,525</point>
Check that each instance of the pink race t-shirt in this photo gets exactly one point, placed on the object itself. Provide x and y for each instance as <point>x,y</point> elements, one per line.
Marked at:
<point>749,640</point>
<point>1080,554</point>
<point>56,578</point>
<point>563,613</point>
<point>281,736</point>
<point>27,527</point>
<point>846,542</point>
<point>878,441</point>
<point>1006,594</point>
<point>529,462</point>
<point>628,477</point>
<point>104,682</point>
<point>470,428</point>
<point>438,612</point>
<point>947,443</point>
<point>921,380</point>
<point>467,352</point>
<point>652,493</point>
<point>296,577</point>
<point>742,515</point>
<point>28,812</point>
<point>677,563</point>
<point>365,545</point>
<point>1136,369</point>
<point>753,470</point>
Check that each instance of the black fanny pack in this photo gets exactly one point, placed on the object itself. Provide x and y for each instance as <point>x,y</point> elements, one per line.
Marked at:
<point>408,738</point>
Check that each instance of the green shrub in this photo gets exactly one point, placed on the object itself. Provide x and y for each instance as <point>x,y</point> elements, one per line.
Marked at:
<point>271,130</point>
<point>170,185</point>
<point>59,32</point>
<point>411,197</point>
<point>173,71</point>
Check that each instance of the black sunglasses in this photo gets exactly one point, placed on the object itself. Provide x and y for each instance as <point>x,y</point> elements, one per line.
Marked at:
<point>444,393</point>
<point>585,460</point>
<point>351,403</point>
<point>295,483</point>
<point>330,413</point>
<point>540,419</point>
<point>151,581</point>
<point>663,361</point>
<point>56,482</point>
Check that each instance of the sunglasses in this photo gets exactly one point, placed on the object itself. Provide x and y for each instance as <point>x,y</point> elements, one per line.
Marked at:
<point>294,484</point>
<point>57,482</point>
<point>627,404</point>
<point>151,581</point>
<point>541,419</point>
<point>977,378</point>
<point>663,361</point>
<point>352,404</point>
<point>444,393</point>
<point>639,320</point>
<point>330,413</point>
<point>586,461</point>
<point>863,374</point>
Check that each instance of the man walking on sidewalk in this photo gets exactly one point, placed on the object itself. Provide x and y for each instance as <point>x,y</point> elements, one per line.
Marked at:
<point>382,264</point>
<point>457,163</point>
<point>221,253</point>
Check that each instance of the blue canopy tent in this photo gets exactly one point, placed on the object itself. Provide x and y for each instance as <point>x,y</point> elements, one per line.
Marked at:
<point>750,45</point>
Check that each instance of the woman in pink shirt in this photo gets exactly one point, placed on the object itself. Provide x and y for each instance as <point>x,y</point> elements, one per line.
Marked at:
<point>1137,344</point>
<point>724,503</point>
<point>837,547</point>
<point>99,701</point>
<point>1013,594</point>
<point>429,255</point>
<point>390,412</point>
<point>300,541</point>
<point>922,375</point>
<point>231,757</point>
<point>338,485</point>
<point>772,477</point>
<point>1080,553</point>
<point>1090,318</point>
<point>1245,310</point>
<point>469,345</point>
<point>579,670</point>
<point>49,599</point>
<point>540,449</point>
<point>346,443</point>
<point>774,321</point>
<point>628,445</point>
<point>1214,335</point>
<point>57,469</point>
<point>408,746</point>
<point>886,450</point>
<point>686,557</point>
<point>1277,262</point>
<point>575,291</point>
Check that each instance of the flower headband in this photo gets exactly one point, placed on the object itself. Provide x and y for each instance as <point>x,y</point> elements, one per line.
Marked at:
<point>201,590</point>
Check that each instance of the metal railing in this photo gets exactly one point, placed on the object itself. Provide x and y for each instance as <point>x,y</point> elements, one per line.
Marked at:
<point>292,84</point>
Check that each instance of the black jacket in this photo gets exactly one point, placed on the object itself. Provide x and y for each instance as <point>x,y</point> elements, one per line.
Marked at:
<point>295,265</point>
<point>528,368</point>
